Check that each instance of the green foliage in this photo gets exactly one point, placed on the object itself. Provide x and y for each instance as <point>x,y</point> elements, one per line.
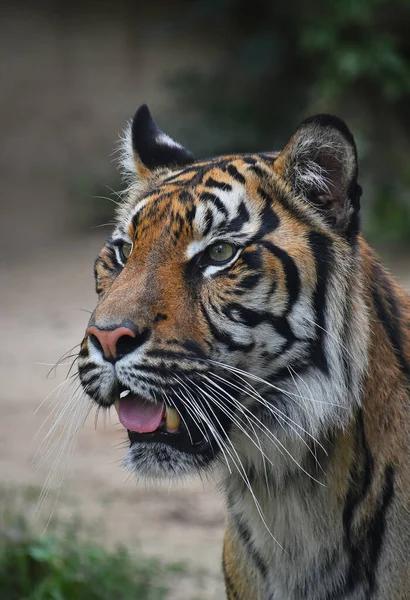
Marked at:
<point>64,568</point>
<point>275,63</point>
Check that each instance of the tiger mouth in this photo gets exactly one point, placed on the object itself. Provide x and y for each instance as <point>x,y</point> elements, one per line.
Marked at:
<point>149,422</point>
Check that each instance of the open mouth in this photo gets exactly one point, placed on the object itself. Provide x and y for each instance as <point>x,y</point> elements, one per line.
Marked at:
<point>148,421</point>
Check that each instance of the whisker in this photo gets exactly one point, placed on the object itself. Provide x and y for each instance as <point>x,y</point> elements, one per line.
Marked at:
<point>72,365</point>
<point>106,198</point>
<point>289,394</point>
<point>330,335</point>
<point>80,408</point>
<point>48,445</point>
<point>178,379</point>
<point>244,476</point>
<point>267,431</point>
<point>200,413</point>
<point>102,225</point>
<point>57,389</point>
<point>231,415</point>
<point>64,356</point>
<point>81,421</point>
<point>274,410</point>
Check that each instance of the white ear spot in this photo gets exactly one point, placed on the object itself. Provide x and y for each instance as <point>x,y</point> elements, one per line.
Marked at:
<point>164,140</point>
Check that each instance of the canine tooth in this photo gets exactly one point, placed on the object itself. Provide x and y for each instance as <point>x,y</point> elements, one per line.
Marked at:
<point>117,405</point>
<point>172,420</point>
<point>124,393</point>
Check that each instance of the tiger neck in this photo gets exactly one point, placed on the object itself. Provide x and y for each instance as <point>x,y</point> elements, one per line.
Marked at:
<point>308,517</point>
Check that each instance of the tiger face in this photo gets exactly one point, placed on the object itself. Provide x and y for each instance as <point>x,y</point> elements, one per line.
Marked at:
<point>224,292</point>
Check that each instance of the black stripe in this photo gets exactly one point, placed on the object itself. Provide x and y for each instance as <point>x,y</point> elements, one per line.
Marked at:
<point>247,283</point>
<point>390,319</point>
<point>245,537</point>
<point>238,222</point>
<point>252,259</point>
<point>249,160</point>
<point>321,247</point>
<point>279,198</point>
<point>377,526</point>
<point>194,348</point>
<point>269,219</point>
<point>102,264</point>
<point>233,171</point>
<point>195,170</point>
<point>135,220</point>
<point>224,337</point>
<point>251,318</point>
<point>258,170</point>
<point>185,197</point>
<point>291,208</point>
<point>84,369</point>
<point>207,197</point>
<point>364,542</point>
<point>190,214</point>
<point>152,382</point>
<point>268,157</point>
<point>90,381</point>
<point>291,273</point>
<point>301,366</point>
<point>361,475</point>
<point>211,182</point>
<point>209,219</point>
<point>112,255</point>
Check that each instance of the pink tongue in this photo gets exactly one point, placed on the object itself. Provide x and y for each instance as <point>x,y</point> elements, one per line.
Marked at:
<point>138,414</point>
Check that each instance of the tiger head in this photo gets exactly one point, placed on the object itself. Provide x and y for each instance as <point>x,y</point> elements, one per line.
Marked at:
<point>229,301</point>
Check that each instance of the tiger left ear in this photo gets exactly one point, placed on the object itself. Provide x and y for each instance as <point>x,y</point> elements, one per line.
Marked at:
<point>320,164</point>
<point>147,148</point>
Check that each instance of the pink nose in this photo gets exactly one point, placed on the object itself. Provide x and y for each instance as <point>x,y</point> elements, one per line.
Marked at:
<point>108,340</point>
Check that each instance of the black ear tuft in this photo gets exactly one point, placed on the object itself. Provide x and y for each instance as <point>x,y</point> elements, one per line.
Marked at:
<point>153,147</point>
<point>320,164</point>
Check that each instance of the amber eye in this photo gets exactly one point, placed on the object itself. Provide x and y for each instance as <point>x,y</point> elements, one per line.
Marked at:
<point>221,252</point>
<point>125,251</point>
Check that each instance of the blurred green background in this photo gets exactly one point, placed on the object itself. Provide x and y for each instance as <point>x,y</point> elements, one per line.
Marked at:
<point>278,62</point>
<point>218,76</point>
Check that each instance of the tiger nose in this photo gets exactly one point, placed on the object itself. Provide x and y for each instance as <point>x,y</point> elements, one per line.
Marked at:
<point>115,343</point>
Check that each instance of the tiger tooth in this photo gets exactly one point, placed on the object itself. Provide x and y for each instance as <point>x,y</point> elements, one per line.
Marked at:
<point>172,420</point>
<point>123,394</point>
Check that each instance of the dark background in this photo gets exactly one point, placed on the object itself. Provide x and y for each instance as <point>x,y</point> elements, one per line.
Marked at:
<point>220,76</point>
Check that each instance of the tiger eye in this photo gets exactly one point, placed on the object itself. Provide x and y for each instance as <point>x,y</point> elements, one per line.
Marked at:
<point>221,252</point>
<point>126,250</point>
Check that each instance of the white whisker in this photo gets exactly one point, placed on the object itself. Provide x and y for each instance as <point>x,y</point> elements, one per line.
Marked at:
<point>244,476</point>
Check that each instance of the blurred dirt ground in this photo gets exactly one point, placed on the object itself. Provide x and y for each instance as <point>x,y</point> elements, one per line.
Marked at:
<point>43,304</point>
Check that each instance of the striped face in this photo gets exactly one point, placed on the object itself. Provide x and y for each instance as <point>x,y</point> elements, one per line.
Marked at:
<point>223,291</point>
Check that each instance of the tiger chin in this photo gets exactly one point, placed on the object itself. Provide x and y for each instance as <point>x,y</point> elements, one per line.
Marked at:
<point>245,328</point>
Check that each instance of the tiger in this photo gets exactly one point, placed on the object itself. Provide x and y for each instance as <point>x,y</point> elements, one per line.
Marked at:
<point>245,330</point>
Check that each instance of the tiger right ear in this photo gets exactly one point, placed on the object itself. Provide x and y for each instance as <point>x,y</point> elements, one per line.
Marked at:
<point>146,147</point>
<point>320,164</point>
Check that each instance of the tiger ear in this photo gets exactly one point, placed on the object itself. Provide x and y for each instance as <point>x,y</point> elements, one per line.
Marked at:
<point>146,147</point>
<point>320,164</point>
